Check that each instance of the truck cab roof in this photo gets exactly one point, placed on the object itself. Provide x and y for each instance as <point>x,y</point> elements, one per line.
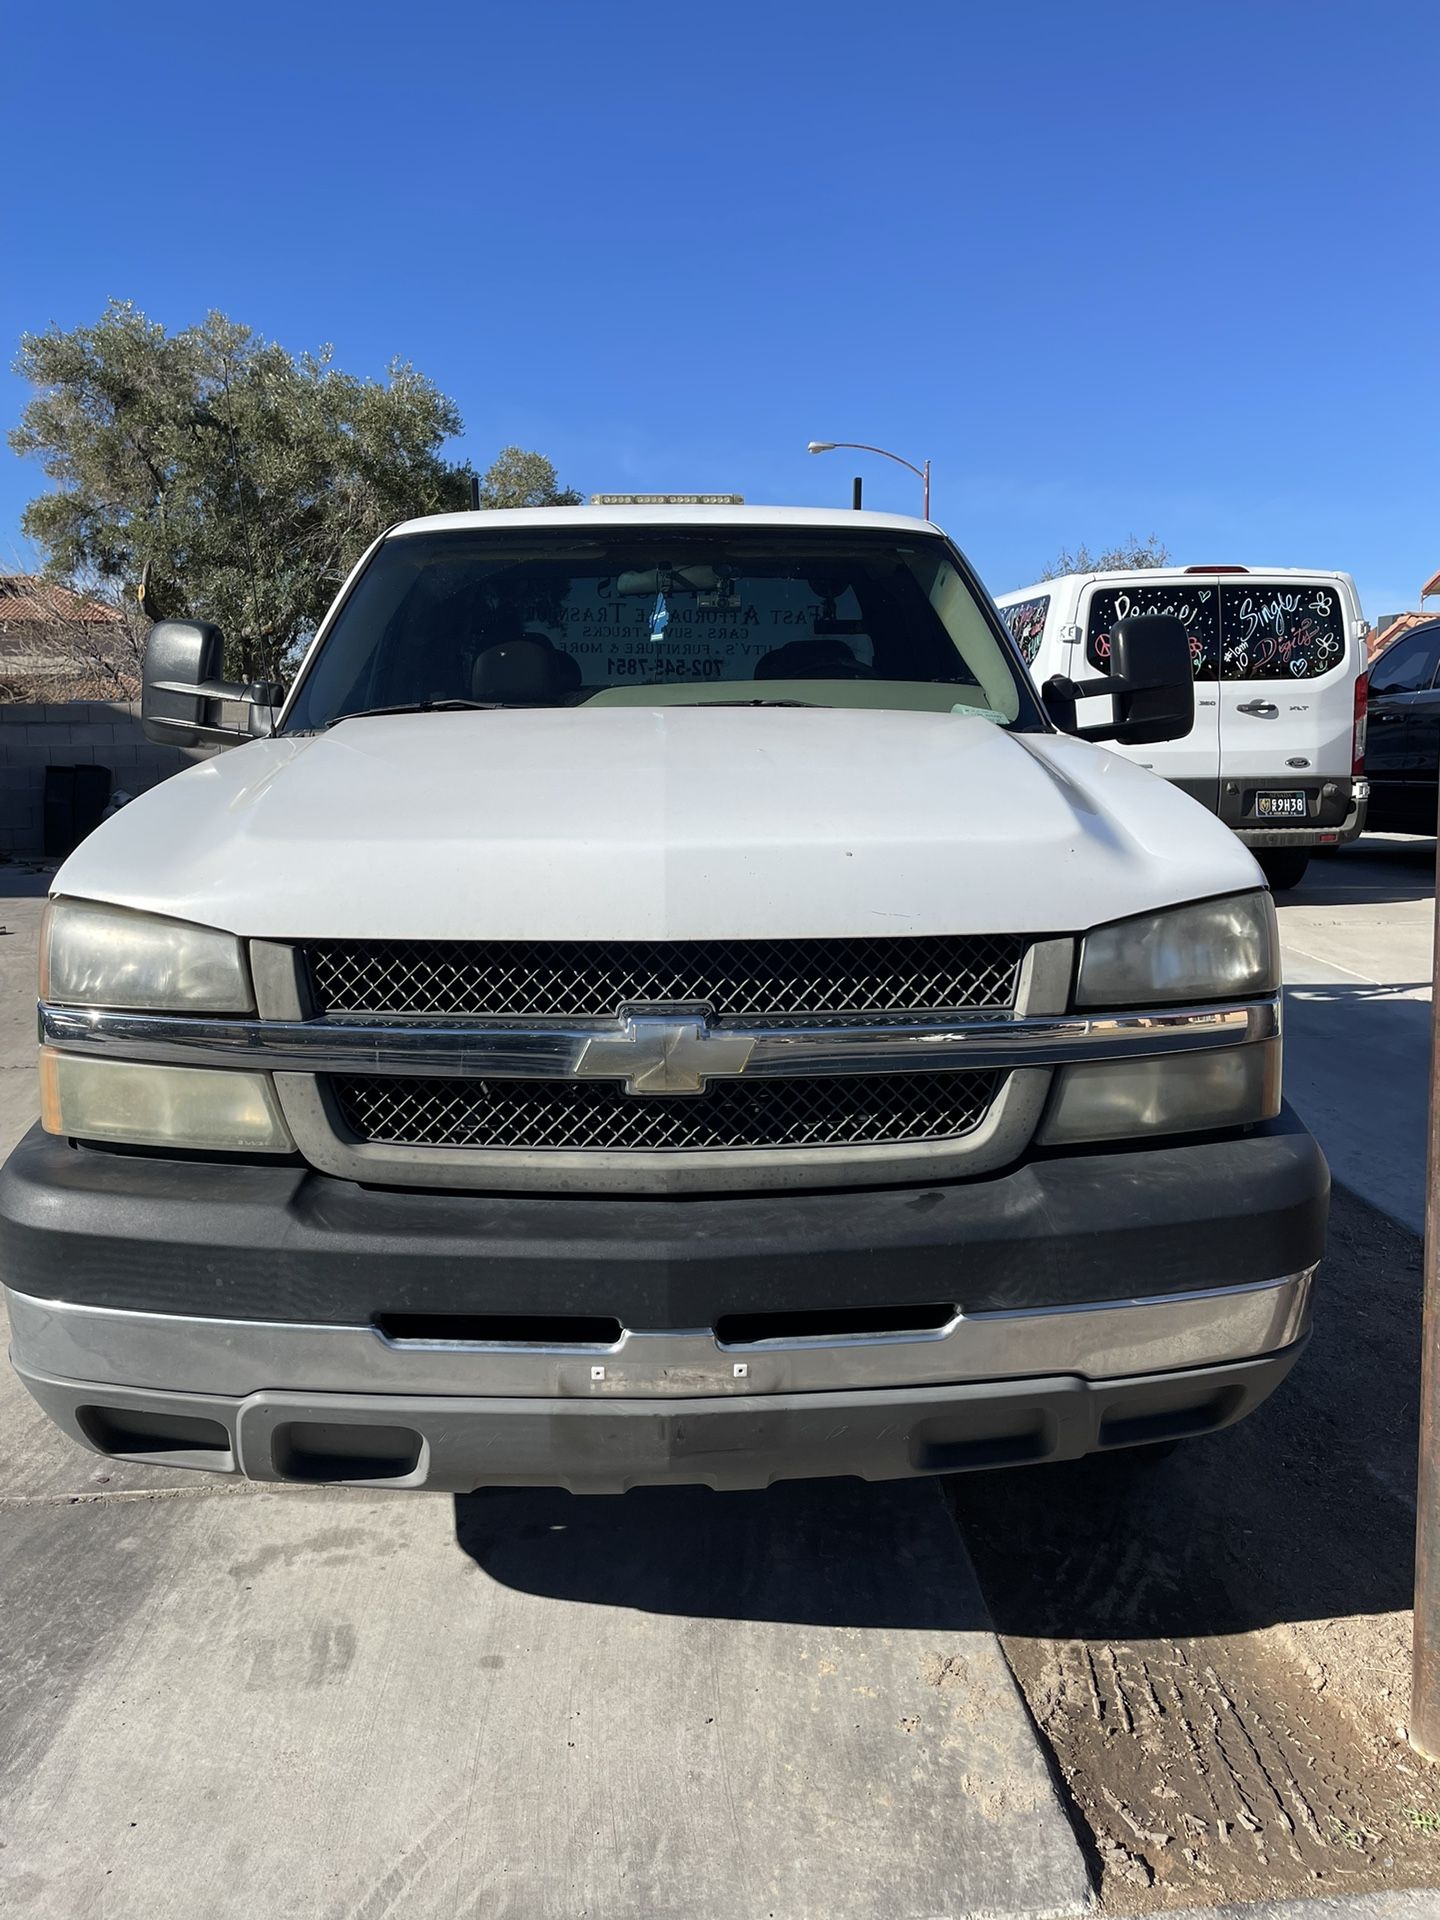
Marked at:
<point>505,519</point>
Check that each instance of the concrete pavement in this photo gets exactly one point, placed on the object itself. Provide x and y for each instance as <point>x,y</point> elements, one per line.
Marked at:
<point>327,1704</point>
<point>1357,941</point>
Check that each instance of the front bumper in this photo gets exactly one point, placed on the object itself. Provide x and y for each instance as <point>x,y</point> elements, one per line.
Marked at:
<point>454,1443</point>
<point>242,1318</point>
<point>282,1243</point>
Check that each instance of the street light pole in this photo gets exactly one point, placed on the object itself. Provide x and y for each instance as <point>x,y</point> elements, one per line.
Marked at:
<point>922,474</point>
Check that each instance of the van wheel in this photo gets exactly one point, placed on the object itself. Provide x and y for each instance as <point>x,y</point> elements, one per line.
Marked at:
<point>1283,867</point>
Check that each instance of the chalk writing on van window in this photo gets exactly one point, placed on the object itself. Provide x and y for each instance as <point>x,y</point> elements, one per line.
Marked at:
<point>1198,607</point>
<point>1272,632</point>
<point>1026,621</point>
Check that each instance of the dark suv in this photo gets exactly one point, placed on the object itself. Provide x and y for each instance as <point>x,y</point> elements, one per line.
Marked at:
<point>1402,751</point>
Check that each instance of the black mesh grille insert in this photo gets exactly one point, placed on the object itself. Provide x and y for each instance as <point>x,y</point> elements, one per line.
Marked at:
<point>739,979</point>
<point>839,1110</point>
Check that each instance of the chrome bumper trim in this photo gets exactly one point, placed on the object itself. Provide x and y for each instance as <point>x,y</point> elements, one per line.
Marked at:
<point>1106,1339</point>
<point>559,1050</point>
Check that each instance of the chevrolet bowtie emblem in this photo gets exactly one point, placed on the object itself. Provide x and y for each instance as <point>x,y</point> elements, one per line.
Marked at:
<point>653,1053</point>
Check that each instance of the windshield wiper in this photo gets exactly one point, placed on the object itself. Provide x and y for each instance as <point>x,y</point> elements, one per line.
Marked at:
<point>421,706</point>
<point>747,703</point>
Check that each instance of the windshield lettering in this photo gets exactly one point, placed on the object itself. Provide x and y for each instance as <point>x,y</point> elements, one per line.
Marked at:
<point>663,615</point>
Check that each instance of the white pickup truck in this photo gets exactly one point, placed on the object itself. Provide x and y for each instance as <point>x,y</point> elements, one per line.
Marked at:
<point>660,1000</point>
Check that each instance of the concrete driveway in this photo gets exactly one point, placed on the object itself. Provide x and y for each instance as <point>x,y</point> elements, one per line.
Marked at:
<point>1357,939</point>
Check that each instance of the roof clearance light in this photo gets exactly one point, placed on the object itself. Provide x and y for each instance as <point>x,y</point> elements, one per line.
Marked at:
<point>667,499</point>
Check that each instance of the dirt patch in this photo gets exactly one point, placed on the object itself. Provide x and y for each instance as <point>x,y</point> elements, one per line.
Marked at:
<point>1207,1770</point>
<point>1216,1645</point>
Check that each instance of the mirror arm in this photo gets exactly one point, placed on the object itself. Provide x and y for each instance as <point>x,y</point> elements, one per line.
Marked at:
<point>262,697</point>
<point>259,692</point>
<point>1093,689</point>
<point>196,729</point>
<point>1058,689</point>
<point>1096,689</point>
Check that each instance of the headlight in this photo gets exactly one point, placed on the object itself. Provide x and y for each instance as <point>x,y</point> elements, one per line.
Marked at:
<point>1187,1093</point>
<point>1209,950</point>
<point>205,1108</point>
<point>99,956</point>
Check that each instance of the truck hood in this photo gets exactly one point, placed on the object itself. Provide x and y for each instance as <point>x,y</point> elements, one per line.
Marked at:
<point>662,823</point>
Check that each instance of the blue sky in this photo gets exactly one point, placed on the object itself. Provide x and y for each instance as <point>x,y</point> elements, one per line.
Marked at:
<point>1113,267</point>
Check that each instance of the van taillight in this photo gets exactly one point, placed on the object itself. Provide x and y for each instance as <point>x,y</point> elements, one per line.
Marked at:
<point>1357,737</point>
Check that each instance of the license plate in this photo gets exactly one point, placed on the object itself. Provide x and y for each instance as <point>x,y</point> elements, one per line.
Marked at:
<point>1280,806</point>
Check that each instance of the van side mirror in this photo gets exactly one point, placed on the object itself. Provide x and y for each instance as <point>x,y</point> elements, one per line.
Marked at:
<point>182,694</point>
<point>1150,680</point>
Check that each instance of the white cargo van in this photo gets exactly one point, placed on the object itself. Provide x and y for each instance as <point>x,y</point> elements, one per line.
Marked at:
<point>661,1001</point>
<point>1277,749</point>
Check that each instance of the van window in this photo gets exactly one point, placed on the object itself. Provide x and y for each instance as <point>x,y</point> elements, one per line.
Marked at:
<point>1198,607</point>
<point>1026,621</point>
<point>1278,632</point>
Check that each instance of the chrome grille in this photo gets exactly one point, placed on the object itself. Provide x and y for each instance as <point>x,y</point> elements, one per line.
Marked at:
<point>842,1110</point>
<point>739,979</point>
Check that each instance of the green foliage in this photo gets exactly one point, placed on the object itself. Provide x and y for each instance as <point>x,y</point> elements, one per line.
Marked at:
<point>1130,554</point>
<point>248,479</point>
<point>521,479</point>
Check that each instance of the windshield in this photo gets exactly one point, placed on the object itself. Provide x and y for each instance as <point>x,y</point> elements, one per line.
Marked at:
<point>651,616</point>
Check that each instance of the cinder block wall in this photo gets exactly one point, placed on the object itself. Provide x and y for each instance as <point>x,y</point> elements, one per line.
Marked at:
<point>104,733</point>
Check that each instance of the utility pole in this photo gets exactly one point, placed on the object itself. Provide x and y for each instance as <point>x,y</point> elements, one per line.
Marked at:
<point>1425,1678</point>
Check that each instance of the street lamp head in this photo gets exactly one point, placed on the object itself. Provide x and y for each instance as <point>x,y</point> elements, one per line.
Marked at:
<point>821,446</point>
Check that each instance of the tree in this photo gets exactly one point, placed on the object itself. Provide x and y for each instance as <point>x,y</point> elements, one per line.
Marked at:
<point>521,479</point>
<point>1130,554</point>
<point>250,480</point>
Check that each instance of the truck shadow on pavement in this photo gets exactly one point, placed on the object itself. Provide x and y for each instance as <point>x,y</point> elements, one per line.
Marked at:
<point>1303,1511</point>
<point>835,1553</point>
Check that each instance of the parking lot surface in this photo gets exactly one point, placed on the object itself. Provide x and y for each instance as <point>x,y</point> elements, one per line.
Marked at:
<point>220,1699</point>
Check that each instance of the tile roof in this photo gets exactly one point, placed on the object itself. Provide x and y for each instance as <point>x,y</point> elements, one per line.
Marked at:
<point>28,599</point>
<point>1398,623</point>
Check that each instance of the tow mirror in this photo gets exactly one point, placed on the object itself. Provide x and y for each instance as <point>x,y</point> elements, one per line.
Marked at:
<point>182,697</point>
<point>1151,682</point>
